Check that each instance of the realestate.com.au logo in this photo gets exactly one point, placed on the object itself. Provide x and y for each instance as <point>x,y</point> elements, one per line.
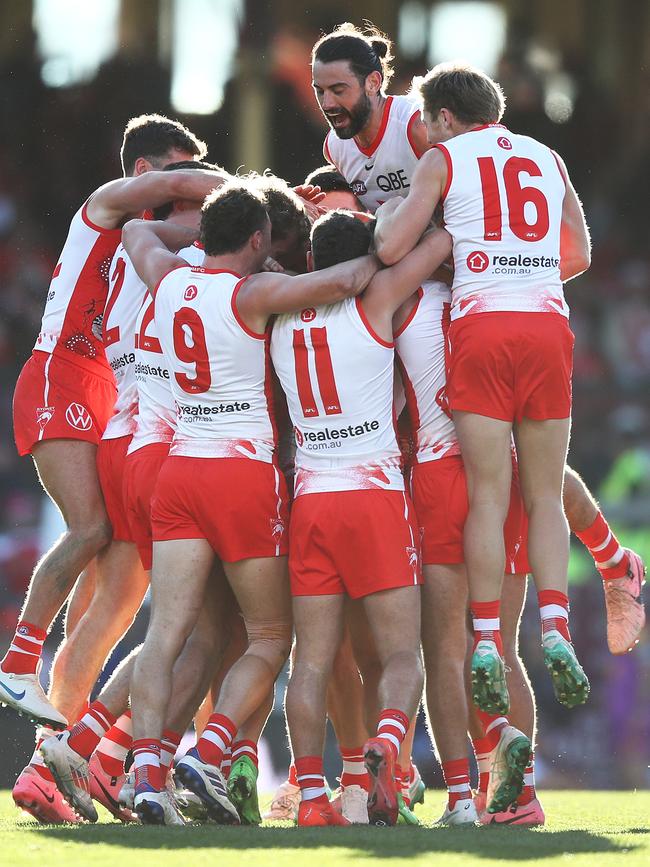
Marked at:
<point>478,261</point>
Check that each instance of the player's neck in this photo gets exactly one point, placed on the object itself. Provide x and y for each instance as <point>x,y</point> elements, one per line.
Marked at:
<point>369,133</point>
<point>240,263</point>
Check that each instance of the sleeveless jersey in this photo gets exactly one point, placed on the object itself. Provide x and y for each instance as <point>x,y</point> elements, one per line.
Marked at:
<point>420,348</point>
<point>383,170</point>
<point>338,378</point>
<point>72,319</point>
<point>155,418</point>
<point>503,209</point>
<point>219,369</point>
<point>126,296</point>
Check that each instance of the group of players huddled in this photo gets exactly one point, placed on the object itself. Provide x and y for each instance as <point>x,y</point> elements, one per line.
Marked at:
<point>327,422</point>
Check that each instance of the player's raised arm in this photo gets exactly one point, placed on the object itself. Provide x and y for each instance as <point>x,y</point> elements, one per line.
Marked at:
<point>265,294</point>
<point>575,242</point>
<point>399,229</point>
<point>119,199</point>
<point>149,244</point>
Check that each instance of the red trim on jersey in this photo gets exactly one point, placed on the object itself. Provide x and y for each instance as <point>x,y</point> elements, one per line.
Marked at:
<point>487,126</point>
<point>199,245</point>
<point>409,318</point>
<point>450,170</point>
<point>411,401</point>
<point>233,305</point>
<point>94,226</point>
<point>369,151</point>
<point>409,134</point>
<point>326,150</point>
<point>559,165</point>
<point>371,331</point>
<point>175,268</point>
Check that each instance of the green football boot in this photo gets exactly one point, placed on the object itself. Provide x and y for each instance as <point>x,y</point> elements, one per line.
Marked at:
<point>242,790</point>
<point>508,761</point>
<point>489,688</point>
<point>569,680</point>
<point>405,816</point>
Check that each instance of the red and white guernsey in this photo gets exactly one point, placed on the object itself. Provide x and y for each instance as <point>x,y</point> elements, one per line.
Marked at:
<point>338,378</point>
<point>155,418</point>
<point>219,369</point>
<point>72,319</point>
<point>503,209</point>
<point>420,349</point>
<point>126,295</point>
<point>383,170</point>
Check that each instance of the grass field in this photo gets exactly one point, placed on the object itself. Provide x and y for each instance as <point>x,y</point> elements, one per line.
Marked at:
<point>583,828</point>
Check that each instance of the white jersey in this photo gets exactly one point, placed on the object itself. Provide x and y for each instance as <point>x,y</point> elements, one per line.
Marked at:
<point>383,170</point>
<point>503,209</point>
<point>420,349</point>
<point>219,368</point>
<point>126,295</point>
<point>338,378</point>
<point>155,419</point>
<point>72,319</point>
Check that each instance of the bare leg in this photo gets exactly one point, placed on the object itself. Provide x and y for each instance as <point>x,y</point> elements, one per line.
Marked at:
<point>367,658</point>
<point>68,472</point>
<point>319,629</point>
<point>120,585</point>
<point>345,698</point>
<point>580,506</point>
<point>81,596</point>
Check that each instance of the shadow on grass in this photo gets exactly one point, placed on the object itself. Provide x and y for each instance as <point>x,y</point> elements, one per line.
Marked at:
<point>515,844</point>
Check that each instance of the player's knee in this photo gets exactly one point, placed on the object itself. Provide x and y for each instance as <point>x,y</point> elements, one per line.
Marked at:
<point>94,532</point>
<point>409,663</point>
<point>270,639</point>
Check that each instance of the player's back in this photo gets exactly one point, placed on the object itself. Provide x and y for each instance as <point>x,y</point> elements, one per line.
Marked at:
<point>420,347</point>
<point>503,208</point>
<point>219,369</point>
<point>72,319</point>
<point>338,378</point>
<point>383,170</point>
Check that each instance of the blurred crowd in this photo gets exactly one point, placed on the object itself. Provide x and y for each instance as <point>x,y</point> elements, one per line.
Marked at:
<point>59,144</point>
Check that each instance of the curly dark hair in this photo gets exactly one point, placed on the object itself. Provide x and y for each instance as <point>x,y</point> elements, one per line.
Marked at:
<point>366,50</point>
<point>230,215</point>
<point>329,179</point>
<point>338,237</point>
<point>153,136</point>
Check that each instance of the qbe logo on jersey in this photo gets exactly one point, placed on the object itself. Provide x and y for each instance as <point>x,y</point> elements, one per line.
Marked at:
<point>478,261</point>
<point>78,417</point>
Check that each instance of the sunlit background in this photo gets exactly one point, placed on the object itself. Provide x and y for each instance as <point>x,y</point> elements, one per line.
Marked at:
<point>576,75</point>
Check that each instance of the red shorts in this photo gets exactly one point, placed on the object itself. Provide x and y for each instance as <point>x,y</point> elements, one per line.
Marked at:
<point>111,459</point>
<point>441,504</point>
<point>238,505</point>
<point>141,470</point>
<point>354,542</point>
<point>511,365</point>
<point>58,399</point>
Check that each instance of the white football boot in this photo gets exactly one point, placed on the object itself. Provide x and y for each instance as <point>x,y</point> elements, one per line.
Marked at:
<point>157,808</point>
<point>24,693</point>
<point>354,804</point>
<point>462,815</point>
<point>209,784</point>
<point>70,772</point>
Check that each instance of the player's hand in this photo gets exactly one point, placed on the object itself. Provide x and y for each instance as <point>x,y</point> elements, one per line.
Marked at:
<point>271,265</point>
<point>309,193</point>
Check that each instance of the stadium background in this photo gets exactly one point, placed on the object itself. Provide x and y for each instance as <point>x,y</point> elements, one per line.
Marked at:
<point>576,75</point>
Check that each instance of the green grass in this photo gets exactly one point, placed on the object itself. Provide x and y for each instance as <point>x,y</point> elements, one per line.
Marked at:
<point>583,828</point>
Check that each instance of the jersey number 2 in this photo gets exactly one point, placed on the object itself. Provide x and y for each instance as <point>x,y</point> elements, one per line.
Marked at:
<point>517,197</point>
<point>324,373</point>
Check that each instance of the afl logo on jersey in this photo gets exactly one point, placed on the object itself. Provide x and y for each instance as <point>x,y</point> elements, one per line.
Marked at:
<point>308,314</point>
<point>190,293</point>
<point>477,261</point>
<point>78,417</point>
<point>359,188</point>
<point>504,143</point>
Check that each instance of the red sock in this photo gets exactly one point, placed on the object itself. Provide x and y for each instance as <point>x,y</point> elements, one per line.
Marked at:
<point>554,611</point>
<point>25,650</point>
<point>226,763</point>
<point>293,777</point>
<point>612,561</point>
<point>36,762</point>
<point>392,727</point>
<point>403,780</point>
<point>354,769</point>
<point>487,623</point>
<point>309,772</point>
<point>168,746</point>
<point>86,734</point>
<point>114,746</point>
<point>456,774</point>
<point>146,763</point>
<point>528,792</point>
<point>245,748</point>
<point>217,736</point>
